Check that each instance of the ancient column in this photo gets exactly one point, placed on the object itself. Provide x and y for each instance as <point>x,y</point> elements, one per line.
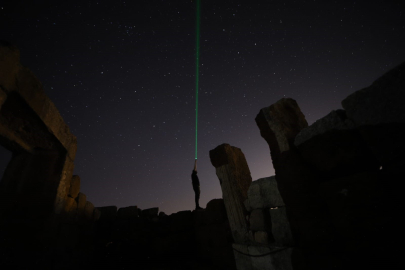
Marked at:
<point>234,176</point>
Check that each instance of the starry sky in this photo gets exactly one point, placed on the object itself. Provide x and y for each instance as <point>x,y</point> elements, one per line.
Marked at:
<point>122,74</point>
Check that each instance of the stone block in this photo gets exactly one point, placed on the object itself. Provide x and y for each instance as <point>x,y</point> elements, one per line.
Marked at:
<point>88,210</point>
<point>81,203</point>
<point>261,237</point>
<point>96,214</point>
<point>334,148</point>
<point>70,206</point>
<point>215,212</point>
<point>379,114</point>
<point>260,220</point>
<point>74,187</point>
<point>279,124</point>
<point>234,177</point>
<point>264,193</point>
<point>181,221</point>
<point>262,257</point>
<point>150,212</point>
<point>128,212</point>
<point>280,227</point>
<point>108,212</point>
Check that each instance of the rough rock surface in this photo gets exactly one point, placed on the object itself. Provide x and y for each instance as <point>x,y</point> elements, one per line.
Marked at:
<point>380,103</point>
<point>234,177</point>
<point>150,212</point>
<point>280,123</point>
<point>81,203</point>
<point>108,212</point>
<point>215,212</point>
<point>264,193</point>
<point>378,113</point>
<point>88,210</point>
<point>280,227</point>
<point>260,220</point>
<point>74,187</point>
<point>334,148</point>
<point>128,212</point>
<point>335,120</point>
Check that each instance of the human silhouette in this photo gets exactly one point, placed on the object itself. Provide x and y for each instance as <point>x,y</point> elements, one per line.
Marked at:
<point>196,186</point>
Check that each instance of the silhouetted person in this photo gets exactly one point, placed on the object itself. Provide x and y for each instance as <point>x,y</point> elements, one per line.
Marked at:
<point>196,186</point>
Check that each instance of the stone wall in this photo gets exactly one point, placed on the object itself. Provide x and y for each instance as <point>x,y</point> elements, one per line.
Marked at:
<point>334,202</point>
<point>184,240</point>
<point>45,221</point>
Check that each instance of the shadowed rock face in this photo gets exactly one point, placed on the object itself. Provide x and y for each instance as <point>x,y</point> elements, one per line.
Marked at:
<point>279,124</point>
<point>234,176</point>
<point>378,113</point>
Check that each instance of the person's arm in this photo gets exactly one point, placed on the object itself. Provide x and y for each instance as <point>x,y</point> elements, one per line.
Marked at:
<point>195,165</point>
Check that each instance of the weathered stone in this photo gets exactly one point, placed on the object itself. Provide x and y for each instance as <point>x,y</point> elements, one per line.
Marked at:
<point>162,214</point>
<point>264,193</point>
<point>88,210</point>
<point>280,227</point>
<point>70,206</point>
<point>379,114</point>
<point>128,212</point>
<point>280,123</point>
<point>335,120</point>
<point>74,186</point>
<point>96,214</point>
<point>181,221</point>
<point>334,148</point>
<point>81,203</point>
<point>260,220</point>
<point>250,257</point>
<point>108,212</point>
<point>234,177</point>
<point>215,212</point>
<point>150,212</point>
<point>261,237</point>
<point>380,103</point>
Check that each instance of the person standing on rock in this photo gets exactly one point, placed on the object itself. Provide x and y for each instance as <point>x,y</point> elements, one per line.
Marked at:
<point>196,186</point>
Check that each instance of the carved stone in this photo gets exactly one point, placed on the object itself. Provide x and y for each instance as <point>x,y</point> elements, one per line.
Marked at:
<point>234,177</point>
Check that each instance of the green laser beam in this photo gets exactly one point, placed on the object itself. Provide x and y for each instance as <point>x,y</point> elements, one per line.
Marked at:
<point>197,72</point>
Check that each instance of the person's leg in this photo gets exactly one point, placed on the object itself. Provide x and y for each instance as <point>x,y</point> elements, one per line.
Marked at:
<point>197,197</point>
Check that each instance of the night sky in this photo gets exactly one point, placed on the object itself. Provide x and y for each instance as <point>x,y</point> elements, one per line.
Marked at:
<point>122,75</point>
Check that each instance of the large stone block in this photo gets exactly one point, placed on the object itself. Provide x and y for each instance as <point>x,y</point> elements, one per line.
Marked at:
<point>181,221</point>
<point>234,177</point>
<point>150,212</point>
<point>280,227</point>
<point>264,193</point>
<point>81,203</point>
<point>108,212</point>
<point>380,103</point>
<point>96,214</point>
<point>215,212</point>
<point>260,220</point>
<point>379,113</point>
<point>334,148</point>
<point>128,212</point>
<point>74,187</point>
<point>262,237</point>
<point>279,124</point>
<point>70,206</point>
<point>262,257</point>
<point>88,210</point>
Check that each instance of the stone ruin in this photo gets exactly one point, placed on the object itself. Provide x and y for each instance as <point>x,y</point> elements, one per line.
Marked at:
<point>334,202</point>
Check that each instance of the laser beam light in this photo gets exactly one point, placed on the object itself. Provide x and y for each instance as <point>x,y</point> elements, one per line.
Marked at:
<point>197,72</point>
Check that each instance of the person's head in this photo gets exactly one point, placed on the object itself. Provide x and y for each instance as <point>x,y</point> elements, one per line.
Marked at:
<point>194,172</point>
